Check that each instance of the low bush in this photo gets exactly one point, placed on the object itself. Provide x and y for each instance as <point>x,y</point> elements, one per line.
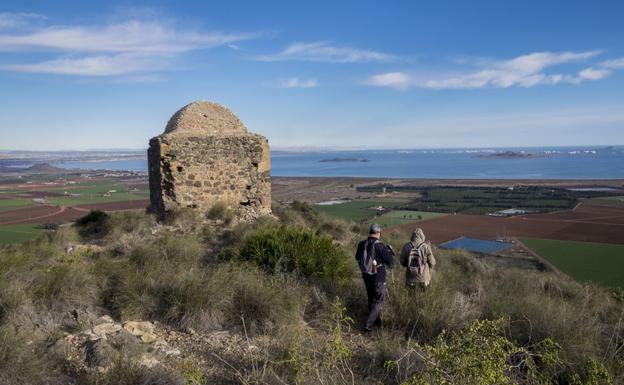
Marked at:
<point>479,354</point>
<point>221,211</point>
<point>94,224</point>
<point>300,250</point>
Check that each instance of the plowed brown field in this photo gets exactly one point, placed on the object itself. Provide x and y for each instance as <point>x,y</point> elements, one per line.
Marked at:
<point>590,221</point>
<point>60,214</point>
<point>25,215</point>
<point>116,206</point>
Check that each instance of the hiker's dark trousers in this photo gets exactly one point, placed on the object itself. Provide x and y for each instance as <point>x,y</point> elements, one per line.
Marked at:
<point>376,293</point>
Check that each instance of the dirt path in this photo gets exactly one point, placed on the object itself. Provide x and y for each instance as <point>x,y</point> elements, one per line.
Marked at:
<point>25,220</point>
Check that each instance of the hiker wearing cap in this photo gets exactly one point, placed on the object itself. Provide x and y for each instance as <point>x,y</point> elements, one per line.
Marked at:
<point>418,260</point>
<point>373,256</point>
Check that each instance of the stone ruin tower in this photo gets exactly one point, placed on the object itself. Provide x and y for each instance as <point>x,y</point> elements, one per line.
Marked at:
<point>206,156</point>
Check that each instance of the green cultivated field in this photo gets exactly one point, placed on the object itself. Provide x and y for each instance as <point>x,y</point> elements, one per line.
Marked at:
<point>93,193</point>
<point>97,198</point>
<point>482,200</point>
<point>18,233</point>
<point>14,203</point>
<point>610,201</point>
<point>584,261</point>
<point>358,210</point>
<point>400,217</point>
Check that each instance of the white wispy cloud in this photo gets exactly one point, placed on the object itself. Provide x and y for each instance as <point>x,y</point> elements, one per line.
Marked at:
<point>594,73</point>
<point>114,49</point>
<point>397,80</point>
<point>325,52</point>
<point>616,64</point>
<point>100,65</point>
<point>129,36</point>
<point>295,82</point>
<point>523,71</point>
<point>10,20</point>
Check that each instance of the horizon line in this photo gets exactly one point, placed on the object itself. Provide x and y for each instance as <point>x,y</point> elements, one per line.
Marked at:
<point>329,148</point>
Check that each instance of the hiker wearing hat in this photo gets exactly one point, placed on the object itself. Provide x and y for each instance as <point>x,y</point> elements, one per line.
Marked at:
<point>373,256</point>
<point>418,260</point>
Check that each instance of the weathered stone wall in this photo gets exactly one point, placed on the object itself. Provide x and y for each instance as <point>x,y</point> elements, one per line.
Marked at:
<point>198,168</point>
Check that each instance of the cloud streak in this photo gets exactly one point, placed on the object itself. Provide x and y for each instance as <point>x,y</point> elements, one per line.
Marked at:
<point>102,65</point>
<point>523,71</point>
<point>396,80</point>
<point>9,20</point>
<point>295,82</point>
<point>115,49</point>
<point>325,52</point>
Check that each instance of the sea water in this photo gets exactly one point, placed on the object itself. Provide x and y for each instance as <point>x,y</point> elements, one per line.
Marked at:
<point>557,163</point>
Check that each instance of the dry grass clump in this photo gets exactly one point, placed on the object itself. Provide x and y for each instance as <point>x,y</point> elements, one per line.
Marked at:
<point>128,372</point>
<point>19,363</point>
<point>166,279</point>
<point>221,211</point>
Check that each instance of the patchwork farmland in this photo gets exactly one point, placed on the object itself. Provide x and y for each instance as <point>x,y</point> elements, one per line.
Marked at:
<point>589,221</point>
<point>27,206</point>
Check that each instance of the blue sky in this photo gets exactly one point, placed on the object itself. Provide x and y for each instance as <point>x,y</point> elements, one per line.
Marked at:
<point>410,74</point>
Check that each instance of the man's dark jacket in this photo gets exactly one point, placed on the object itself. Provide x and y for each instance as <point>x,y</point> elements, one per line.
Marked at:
<point>383,256</point>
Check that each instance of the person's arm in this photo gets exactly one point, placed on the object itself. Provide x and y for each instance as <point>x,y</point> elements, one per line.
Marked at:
<point>431,258</point>
<point>384,254</point>
<point>358,251</point>
<point>404,255</point>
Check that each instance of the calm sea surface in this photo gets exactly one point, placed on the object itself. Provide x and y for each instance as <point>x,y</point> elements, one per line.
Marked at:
<point>558,163</point>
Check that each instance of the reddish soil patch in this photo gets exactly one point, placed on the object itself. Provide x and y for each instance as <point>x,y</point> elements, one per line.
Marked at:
<point>589,222</point>
<point>115,206</point>
<point>56,214</point>
<point>28,214</point>
<point>38,194</point>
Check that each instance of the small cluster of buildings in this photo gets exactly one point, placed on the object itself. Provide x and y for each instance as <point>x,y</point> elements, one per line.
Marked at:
<point>508,212</point>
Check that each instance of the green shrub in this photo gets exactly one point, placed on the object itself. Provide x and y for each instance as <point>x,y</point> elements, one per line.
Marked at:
<point>93,225</point>
<point>300,250</point>
<point>480,354</point>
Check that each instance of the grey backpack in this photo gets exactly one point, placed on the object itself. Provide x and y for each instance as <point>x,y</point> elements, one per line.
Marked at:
<point>416,261</point>
<point>366,259</point>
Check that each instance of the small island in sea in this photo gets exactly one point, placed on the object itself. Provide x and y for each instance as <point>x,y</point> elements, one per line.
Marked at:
<point>509,155</point>
<point>344,160</point>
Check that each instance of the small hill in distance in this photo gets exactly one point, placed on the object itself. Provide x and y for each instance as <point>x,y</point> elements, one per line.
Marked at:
<point>43,168</point>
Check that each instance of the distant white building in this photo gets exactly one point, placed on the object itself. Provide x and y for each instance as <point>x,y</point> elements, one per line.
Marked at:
<point>509,212</point>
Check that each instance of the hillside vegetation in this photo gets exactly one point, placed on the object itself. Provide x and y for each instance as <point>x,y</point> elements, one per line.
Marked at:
<point>280,301</point>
